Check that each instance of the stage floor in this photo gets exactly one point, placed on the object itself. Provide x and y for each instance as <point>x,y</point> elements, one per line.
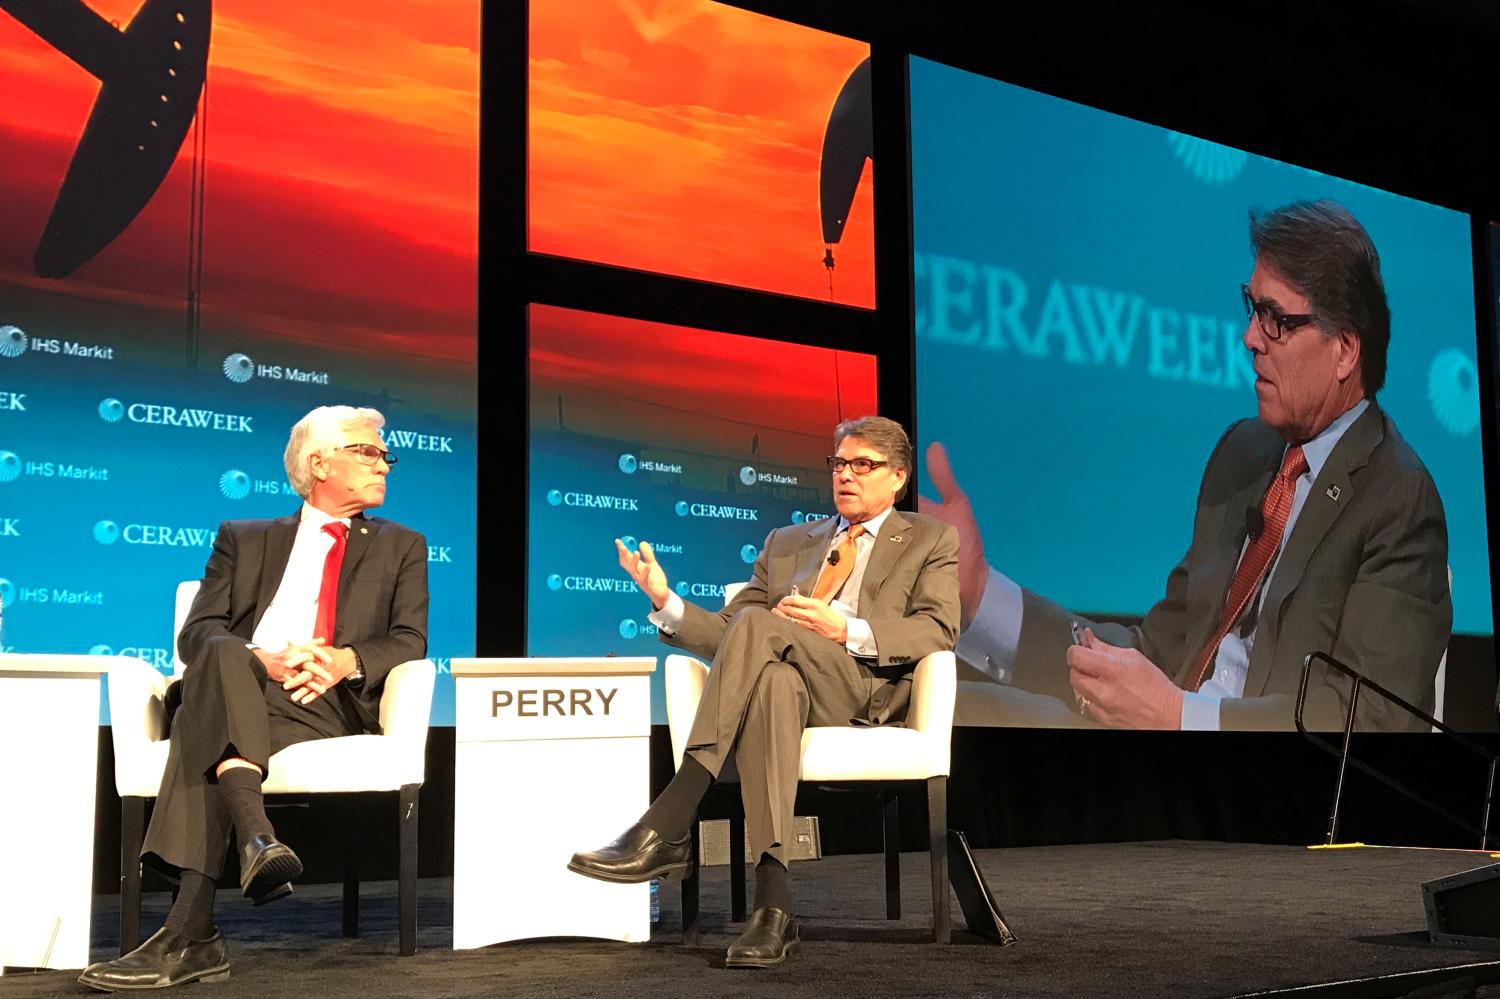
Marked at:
<point>1134,919</point>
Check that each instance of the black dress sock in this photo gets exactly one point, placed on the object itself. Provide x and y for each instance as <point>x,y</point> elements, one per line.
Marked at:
<point>773,887</point>
<point>192,915</point>
<point>671,814</point>
<point>240,787</point>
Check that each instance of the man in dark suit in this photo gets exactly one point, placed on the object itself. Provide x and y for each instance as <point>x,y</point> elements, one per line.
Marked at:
<point>296,624</point>
<point>1317,529</point>
<point>830,626</point>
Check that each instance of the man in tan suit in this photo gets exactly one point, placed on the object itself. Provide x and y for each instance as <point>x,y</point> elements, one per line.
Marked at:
<point>834,618</point>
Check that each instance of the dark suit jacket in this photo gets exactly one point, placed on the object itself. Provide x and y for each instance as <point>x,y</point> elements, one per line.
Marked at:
<point>382,596</point>
<point>1363,578</point>
<point>909,593</point>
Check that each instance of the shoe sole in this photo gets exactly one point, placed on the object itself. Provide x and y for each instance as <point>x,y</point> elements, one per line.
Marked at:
<point>669,872</point>
<point>266,884</point>
<point>211,975</point>
<point>762,962</point>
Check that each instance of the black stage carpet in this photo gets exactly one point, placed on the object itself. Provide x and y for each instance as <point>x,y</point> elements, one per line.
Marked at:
<point>1137,919</point>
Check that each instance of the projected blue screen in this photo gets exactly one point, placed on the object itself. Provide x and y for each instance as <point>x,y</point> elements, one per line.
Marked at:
<point>1078,326</point>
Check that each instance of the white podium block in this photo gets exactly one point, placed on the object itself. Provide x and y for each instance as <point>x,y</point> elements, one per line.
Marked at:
<point>49,745</point>
<point>553,756</point>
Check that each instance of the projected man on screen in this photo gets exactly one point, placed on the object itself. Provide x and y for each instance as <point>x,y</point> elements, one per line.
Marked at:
<point>830,626</point>
<point>290,638</point>
<point>1317,528</point>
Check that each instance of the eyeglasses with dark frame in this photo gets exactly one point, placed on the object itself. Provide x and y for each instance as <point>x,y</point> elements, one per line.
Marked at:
<point>368,454</point>
<point>860,466</point>
<point>1273,322</point>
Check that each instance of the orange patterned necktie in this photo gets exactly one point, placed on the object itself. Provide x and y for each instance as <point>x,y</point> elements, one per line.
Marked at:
<point>836,571</point>
<point>1274,510</point>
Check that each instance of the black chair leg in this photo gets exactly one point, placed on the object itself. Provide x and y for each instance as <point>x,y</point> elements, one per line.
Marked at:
<point>132,832</point>
<point>937,846</point>
<point>407,888</point>
<point>737,867</point>
<point>690,894</point>
<point>890,809</point>
<point>351,866</point>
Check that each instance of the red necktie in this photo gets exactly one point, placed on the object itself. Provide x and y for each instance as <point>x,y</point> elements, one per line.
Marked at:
<point>1274,511</point>
<point>836,572</point>
<point>328,593</point>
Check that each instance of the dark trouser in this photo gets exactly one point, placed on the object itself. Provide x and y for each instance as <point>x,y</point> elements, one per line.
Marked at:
<point>229,708</point>
<point>770,680</point>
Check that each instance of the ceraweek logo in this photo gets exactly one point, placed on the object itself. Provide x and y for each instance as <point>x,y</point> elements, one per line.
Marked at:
<point>13,402</point>
<point>590,584</point>
<point>591,501</point>
<point>155,655</point>
<point>544,701</point>
<point>107,532</point>
<point>440,553</point>
<point>798,517</point>
<point>715,511</point>
<point>240,368</point>
<point>712,590</point>
<point>14,342</point>
<point>188,418</point>
<point>10,527</point>
<point>411,440</point>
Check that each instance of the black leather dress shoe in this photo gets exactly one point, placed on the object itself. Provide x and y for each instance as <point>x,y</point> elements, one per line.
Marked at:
<point>638,854</point>
<point>769,937</point>
<point>165,960</point>
<point>266,867</point>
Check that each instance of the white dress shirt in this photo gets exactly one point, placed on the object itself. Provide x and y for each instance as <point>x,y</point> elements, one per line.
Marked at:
<point>294,609</point>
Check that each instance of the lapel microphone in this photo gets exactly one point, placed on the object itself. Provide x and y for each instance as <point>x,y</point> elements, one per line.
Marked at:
<point>1254,522</point>
<point>833,557</point>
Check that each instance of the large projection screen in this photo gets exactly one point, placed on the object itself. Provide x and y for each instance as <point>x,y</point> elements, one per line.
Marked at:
<point>1079,342</point>
<point>312,240</point>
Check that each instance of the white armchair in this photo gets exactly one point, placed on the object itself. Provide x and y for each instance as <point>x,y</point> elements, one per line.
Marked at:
<point>393,762</point>
<point>919,750</point>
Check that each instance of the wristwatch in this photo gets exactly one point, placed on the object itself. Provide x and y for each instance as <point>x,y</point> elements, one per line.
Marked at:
<point>356,679</point>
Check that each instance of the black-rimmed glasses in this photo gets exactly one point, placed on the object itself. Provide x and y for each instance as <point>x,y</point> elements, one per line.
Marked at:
<point>859,466</point>
<point>1273,322</point>
<point>368,454</point>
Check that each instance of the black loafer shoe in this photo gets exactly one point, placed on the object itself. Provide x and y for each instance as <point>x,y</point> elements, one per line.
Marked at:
<point>161,962</point>
<point>769,937</point>
<point>266,867</point>
<point>637,855</point>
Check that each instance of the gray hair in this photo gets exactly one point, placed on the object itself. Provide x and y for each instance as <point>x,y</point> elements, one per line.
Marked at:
<point>884,435</point>
<point>322,432</point>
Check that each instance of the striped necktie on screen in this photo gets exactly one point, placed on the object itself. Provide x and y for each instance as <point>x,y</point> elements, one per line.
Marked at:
<point>1274,511</point>
<point>836,571</point>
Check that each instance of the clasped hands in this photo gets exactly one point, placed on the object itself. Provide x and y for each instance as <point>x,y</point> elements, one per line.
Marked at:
<point>1120,687</point>
<point>814,615</point>
<point>308,669</point>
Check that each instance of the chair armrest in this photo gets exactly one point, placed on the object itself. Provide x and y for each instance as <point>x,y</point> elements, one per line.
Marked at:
<point>137,723</point>
<point>934,684</point>
<point>406,701</point>
<point>683,678</point>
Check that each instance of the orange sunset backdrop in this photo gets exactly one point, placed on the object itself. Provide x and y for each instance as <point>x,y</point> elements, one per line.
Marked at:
<point>342,149</point>
<point>684,136</point>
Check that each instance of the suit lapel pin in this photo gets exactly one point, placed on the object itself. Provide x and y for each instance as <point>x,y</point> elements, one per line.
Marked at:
<point>896,538</point>
<point>364,530</point>
<point>1333,493</point>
